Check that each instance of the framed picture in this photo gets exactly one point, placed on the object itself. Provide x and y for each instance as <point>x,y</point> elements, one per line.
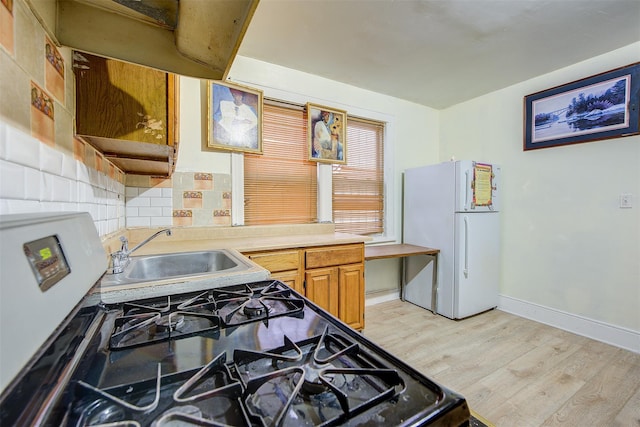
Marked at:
<point>327,134</point>
<point>595,108</point>
<point>234,117</point>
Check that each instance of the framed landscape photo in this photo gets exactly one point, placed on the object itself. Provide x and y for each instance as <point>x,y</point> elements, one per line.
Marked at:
<point>598,107</point>
<point>234,117</point>
<point>326,134</point>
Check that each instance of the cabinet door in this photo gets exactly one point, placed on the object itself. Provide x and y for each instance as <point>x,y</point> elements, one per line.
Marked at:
<point>123,101</point>
<point>284,266</point>
<point>351,292</point>
<point>291,279</point>
<point>322,288</point>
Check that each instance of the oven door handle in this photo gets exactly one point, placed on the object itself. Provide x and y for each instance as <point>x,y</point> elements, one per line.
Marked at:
<point>56,393</point>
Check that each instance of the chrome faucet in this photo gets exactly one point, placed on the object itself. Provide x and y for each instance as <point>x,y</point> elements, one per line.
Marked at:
<point>120,259</point>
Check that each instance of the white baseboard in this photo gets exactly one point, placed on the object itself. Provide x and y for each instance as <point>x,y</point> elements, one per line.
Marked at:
<point>380,297</point>
<point>594,329</point>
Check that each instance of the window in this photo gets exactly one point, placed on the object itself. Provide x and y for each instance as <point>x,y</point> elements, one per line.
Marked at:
<point>358,186</point>
<point>280,186</point>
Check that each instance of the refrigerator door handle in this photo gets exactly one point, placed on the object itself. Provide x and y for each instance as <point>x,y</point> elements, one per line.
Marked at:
<point>466,190</point>
<point>466,247</point>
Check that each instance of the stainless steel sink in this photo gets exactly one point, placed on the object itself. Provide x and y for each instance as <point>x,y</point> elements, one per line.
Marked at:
<point>178,266</point>
<point>156,267</point>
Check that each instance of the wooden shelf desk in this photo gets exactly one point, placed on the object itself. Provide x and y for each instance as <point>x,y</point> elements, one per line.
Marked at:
<point>403,251</point>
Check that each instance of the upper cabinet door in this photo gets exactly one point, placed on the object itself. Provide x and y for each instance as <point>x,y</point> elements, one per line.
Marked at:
<point>119,100</point>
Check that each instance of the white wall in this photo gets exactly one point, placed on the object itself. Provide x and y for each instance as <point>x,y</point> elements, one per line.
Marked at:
<point>193,153</point>
<point>568,248</point>
<point>412,132</point>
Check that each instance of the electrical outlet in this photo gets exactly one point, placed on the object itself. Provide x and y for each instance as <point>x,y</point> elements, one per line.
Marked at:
<point>626,200</point>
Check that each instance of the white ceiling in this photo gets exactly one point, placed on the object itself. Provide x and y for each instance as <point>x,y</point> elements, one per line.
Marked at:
<point>437,52</point>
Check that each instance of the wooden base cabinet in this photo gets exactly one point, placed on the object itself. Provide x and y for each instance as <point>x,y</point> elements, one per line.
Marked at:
<point>351,295</point>
<point>321,287</point>
<point>330,276</point>
<point>340,291</point>
<point>284,265</point>
<point>291,279</point>
<point>334,278</point>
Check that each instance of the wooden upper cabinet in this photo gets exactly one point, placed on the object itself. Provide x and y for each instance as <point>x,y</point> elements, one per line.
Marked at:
<point>128,112</point>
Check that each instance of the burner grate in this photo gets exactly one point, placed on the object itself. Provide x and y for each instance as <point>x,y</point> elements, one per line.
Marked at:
<point>142,324</point>
<point>205,397</point>
<point>324,380</point>
<point>256,301</point>
<point>157,320</point>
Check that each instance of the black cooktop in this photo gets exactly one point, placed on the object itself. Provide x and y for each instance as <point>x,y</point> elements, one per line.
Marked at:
<point>248,355</point>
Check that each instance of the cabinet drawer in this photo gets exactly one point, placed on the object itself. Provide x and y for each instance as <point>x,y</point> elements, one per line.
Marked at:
<point>334,255</point>
<point>277,261</point>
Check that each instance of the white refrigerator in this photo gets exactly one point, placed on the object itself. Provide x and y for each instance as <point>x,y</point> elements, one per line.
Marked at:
<point>454,207</point>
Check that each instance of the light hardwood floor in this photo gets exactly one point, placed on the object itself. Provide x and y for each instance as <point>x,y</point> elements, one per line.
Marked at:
<point>514,372</point>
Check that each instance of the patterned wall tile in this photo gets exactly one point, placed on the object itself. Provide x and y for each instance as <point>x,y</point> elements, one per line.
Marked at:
<point>54,70</point>
<point>6,25</point>
<point>182,217</point>
<point>42,115</point>
<point>203,181</point>
<point>201,199</point>
<point>222,217</point>
<point>192,199</point>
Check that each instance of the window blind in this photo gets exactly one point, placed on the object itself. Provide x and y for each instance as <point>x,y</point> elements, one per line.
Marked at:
<point>281,184</point>
<point>358,186</point>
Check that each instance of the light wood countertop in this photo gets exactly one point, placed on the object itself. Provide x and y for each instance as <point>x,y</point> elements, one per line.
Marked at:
<point>243,239</point>
<point>247,244</point>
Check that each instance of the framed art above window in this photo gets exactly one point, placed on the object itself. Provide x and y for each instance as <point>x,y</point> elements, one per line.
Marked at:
<point>326,130</point>
<point>595,108</point>
<point>234,119</point>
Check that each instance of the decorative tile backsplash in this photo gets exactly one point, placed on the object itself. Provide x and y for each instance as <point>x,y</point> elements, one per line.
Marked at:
<point>148,207</point>
<point>182,217</point>
<point>54,71</point>
<point>42,116</point>
<point>6,25</point>
<point>43,167</point>
<point>185,199</point>
<point>192,199</point>
<point>201,199</point>
<point>203,181</point>
<point>35,177</point>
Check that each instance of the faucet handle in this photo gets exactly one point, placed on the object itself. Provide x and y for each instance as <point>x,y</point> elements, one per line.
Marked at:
<point>119,261</point>
<point>125,244</point>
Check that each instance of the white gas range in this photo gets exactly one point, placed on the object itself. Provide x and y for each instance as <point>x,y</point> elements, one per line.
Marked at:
<point>252,354</point>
